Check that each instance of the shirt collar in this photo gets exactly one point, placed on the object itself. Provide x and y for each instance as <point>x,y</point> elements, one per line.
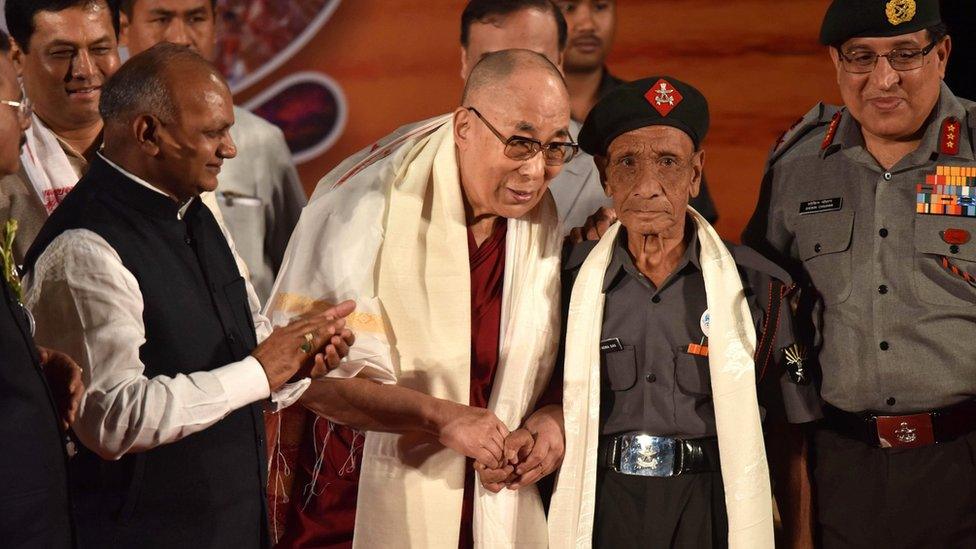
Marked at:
<point>621,262</point>
<point>182,208</point>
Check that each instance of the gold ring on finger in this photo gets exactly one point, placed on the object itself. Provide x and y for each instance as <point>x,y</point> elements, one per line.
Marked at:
<point>307,344</point>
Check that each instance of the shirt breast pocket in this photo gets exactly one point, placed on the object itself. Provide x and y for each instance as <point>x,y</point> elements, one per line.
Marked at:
<point>935,283</point>
<point>621,368</point>
<point>824,246</point>
<point>691,373</point>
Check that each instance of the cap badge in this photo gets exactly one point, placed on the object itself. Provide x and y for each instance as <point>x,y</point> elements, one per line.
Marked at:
<point>900,11</point>
<point>663,97</point>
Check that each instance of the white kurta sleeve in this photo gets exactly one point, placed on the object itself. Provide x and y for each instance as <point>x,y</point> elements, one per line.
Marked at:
<point>89,305</point>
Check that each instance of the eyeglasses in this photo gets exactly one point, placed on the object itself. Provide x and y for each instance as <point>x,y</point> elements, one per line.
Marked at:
<point>24,111</point>
<point>518,147</point>
<point>900,59</point>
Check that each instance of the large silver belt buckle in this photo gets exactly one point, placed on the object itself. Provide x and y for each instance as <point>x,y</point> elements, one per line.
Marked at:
<point>646,456</point>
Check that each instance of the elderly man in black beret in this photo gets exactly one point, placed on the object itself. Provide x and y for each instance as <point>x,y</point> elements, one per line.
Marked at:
<point>669,330</point>
<point>871,207</point>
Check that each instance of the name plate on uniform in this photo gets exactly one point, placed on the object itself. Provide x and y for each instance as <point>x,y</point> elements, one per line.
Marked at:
<point>950,191</point>
<point>611,345</point>
<point>821,205</point>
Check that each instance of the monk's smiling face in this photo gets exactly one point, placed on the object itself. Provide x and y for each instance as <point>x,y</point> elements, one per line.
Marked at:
<point>531,102</point>
<point>651,174</point>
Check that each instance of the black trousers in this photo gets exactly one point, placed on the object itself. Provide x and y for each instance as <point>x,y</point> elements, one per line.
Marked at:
<point>871,497</point>
<point>650,513</point>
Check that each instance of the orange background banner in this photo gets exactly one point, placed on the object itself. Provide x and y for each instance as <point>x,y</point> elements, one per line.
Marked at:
<point>757,61</point>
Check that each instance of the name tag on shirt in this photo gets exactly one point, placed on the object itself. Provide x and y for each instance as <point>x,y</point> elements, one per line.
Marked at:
<point>821,205</point>
<point>611,345</point>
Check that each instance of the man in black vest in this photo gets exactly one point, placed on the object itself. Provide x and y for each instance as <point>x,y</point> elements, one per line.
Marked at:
<point>34,503</point>
<point>133,274</point>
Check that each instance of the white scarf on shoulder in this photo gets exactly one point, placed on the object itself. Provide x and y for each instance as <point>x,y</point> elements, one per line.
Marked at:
<point>387,229</point>
<point>47,165</point>
<point>732,345</point>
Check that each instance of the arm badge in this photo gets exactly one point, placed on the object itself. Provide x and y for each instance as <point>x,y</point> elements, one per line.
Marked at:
<point>795,360</point>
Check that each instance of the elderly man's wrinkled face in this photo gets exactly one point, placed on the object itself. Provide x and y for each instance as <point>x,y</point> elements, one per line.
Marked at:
<point>650,174</point>
<point>528,29</point>
<point>71,54</point>
<point>189,23</point>
<point>592,25</point>
<point>887,103</point>
<point>12,125</point>
<point>193,147</point>
<point>535,106</point>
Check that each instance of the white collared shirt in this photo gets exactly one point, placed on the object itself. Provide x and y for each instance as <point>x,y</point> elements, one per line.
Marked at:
<point>88,305</point>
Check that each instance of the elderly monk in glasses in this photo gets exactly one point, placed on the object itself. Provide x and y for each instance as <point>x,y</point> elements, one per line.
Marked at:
<point>450,247</point>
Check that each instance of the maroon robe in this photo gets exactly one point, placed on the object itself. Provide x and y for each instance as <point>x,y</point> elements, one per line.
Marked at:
<point>326,518</point>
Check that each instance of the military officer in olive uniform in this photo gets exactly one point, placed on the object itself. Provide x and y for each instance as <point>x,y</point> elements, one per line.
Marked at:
<point>654,359</point>
<point>872,208</point>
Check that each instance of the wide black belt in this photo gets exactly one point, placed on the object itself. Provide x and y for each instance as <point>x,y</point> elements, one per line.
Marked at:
<point>646,455</point>
<point>904,431</point>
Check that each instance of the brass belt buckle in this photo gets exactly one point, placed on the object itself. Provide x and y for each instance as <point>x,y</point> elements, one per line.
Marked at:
<point>647,456</point>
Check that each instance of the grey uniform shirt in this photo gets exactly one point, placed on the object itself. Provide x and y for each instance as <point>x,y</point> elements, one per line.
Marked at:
<point>894,327</point>
<point>651,382</point>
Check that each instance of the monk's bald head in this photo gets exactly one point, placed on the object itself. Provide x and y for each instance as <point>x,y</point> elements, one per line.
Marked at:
<point>496,72</point>
<point>156,82</point>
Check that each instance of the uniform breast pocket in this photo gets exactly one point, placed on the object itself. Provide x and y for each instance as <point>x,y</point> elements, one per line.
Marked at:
<point>936,283</point>
<point>621,368</point>
<point>824,245</point>
<point>691,373</point>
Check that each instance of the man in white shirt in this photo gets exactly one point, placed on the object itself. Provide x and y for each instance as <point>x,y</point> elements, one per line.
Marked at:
<point>259,192</point>
<point>137,278</point>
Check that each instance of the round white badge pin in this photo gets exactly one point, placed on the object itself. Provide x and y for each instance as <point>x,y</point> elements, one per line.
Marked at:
<point>705,321</point>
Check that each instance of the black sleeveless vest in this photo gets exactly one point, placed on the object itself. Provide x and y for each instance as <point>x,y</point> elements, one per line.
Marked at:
<point>208,489</point>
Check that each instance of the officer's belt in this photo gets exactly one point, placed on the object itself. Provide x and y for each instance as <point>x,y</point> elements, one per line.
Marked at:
<point>646,455</point>
<point>907,431</point>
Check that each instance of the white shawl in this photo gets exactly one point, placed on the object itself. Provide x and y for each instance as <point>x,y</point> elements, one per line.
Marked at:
<point>732,345</point>
<point>47,165</point>
<point>387,228</point>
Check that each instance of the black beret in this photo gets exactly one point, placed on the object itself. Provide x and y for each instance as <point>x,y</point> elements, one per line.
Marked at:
<point>846,19</point>
<point>653,101</point>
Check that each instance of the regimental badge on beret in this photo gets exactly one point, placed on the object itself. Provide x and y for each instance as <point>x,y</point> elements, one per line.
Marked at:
<point>663,97</point>
<point>652,101</point>
<point>900,11</point>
